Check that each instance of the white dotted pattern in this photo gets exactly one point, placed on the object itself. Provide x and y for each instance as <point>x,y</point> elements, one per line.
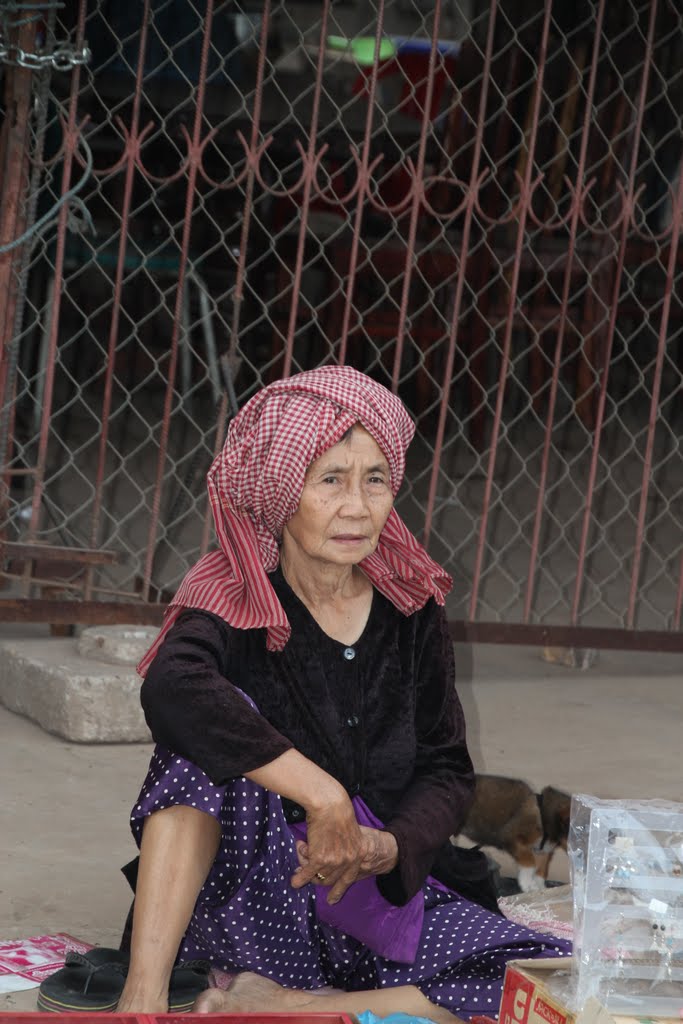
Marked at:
<point>248,917</point>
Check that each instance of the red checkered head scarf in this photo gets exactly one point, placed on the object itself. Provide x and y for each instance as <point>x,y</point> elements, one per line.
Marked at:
<point>255,485</point>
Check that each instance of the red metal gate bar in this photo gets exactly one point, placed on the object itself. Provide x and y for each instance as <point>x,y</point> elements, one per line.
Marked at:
<point>310,161</point>
<point>586,637</point>
<point>98,613</point>
<point>679,598</point>
<point>252,156</point>
<point>194,155</point>
<point>139,613</point>
<point>417,189</point>
<point>54,553</point>
<point>14,148</point>
<point>71,135</point>
<point>526,190</point>
<point>627,211</point>
<point>654,404</point>
<point>364,171</point>
<point>471,198</point>
<point>575,211</point>
<point>14,156</point>
<point>131,153</point>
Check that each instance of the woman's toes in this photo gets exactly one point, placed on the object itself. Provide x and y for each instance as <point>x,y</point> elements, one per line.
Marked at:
<point>248,993</point>
<point>213,1000</point>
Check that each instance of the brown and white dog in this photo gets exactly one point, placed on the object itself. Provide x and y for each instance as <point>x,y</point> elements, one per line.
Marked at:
<point>509,816</point>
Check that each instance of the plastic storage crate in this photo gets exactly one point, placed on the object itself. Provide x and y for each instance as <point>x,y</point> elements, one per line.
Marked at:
<point>627,874</point>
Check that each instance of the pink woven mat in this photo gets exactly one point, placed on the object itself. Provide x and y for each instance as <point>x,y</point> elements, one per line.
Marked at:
<point>25,962</point>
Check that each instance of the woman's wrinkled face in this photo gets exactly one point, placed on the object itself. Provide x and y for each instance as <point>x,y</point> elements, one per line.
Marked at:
<point>344,505</point>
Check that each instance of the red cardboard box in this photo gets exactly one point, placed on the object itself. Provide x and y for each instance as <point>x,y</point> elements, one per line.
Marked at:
<point>538,992</point>
<point>527,997</point>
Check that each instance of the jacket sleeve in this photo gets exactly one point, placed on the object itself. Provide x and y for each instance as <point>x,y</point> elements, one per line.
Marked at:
<point>192,708</point>
<point>436,802</point>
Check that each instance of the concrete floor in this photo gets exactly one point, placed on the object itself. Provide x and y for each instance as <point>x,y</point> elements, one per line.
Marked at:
<point>611,730</point>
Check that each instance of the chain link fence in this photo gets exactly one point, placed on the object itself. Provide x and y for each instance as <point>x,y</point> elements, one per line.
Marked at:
<point>477,203</point>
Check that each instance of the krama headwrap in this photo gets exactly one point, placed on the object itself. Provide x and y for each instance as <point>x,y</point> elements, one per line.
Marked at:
<point>255,485</point>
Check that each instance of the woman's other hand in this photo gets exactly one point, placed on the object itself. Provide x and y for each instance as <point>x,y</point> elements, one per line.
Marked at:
<point>380,852</point>
<point>334,849</point>
<point>379,856</point>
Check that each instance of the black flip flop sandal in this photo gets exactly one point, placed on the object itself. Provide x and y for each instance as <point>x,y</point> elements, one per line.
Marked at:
<point>93,982</point>
<point>188,980</point>
<point>90,982</point>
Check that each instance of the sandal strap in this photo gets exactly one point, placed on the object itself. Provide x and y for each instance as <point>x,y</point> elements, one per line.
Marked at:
<point>199,966</point>
<point>98,959</point>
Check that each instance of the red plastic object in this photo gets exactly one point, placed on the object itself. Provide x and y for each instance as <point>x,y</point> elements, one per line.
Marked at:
<point>249,1018</point>
<point>70,1018</point>
<point>175,1018</point>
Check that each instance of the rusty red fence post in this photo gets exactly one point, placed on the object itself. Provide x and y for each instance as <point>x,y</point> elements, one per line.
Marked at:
<point>132,148</point>
<point>526,190</point>
<point>654,402</point>
<point>629,200</point>
<point>240,274</point>
<point>566,284</point>
<point>363,175</point>
<point>417,177</point>
<point>193,161</point>
<point>309,160</point>
<point>14,180</point>
<point>69,149</point>
<point>474,183</point>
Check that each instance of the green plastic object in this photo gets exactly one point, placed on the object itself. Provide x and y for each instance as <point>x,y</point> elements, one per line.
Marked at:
<point>362,48</point>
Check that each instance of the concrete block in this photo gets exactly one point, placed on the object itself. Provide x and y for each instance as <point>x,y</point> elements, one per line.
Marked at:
<point>116,645</point>
<point>75,695</point>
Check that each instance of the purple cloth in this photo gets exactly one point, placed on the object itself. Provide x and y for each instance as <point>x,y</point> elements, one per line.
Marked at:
<point>249,918</point>
<point>392,932</point>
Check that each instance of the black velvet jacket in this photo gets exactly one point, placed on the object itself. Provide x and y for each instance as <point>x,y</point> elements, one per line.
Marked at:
<point>382,716</point>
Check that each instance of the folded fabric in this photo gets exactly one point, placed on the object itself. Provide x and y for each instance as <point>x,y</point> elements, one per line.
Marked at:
<point>390,931</point>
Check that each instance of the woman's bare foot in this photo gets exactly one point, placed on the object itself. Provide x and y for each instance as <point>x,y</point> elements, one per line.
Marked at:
<point>249,993</point>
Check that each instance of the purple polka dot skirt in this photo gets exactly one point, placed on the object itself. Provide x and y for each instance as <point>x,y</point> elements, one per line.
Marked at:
<point>249,918</point>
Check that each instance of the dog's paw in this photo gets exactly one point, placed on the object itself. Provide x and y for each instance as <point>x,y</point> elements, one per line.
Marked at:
<point>529,881</point>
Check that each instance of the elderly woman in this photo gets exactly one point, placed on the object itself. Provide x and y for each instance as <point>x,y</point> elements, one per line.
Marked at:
<point>311,759</point>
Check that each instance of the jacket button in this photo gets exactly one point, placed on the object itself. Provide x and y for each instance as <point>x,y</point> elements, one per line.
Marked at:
<point>349,653</point>
<point>352,722</point>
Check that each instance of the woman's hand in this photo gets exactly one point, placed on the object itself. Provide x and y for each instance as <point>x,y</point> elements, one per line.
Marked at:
<point>379,856</point>
<point>380,852</point>
<point>334,846</point>
<point>333,852</point>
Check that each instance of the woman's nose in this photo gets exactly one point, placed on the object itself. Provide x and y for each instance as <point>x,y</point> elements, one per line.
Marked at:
<point>354,501</point>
